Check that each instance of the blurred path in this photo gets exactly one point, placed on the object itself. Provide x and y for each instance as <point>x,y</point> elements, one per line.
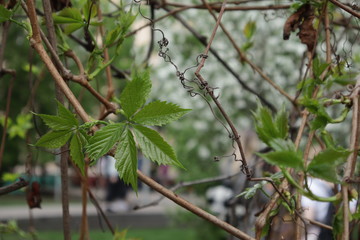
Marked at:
<point>49,217</point>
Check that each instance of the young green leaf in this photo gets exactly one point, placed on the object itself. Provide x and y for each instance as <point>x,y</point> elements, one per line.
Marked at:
<point>103,140</point>
<point>155,147</point>
<point>54,139</point>
<point>281,123</point>
<point>126,158</point>
<point>76,151</point>
<point>63,112</point>
<point>68,15</point>
<point>135,92</point>
<point>268,128</point>
<point>249,29</point>
<point>159,113</point>
<point>56,123</point>
<point>289,159</point>
<point>324,165</point>
<point>5,14</point>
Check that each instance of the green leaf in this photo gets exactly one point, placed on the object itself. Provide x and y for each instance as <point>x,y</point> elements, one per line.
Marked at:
<point>64,121</point>
<point>324,165</point>
<point>289,159</point>
<point>155,147</point>
<point>319,67</point>
<point>159,113</point>
<point>136,92</point>
<point>90,10</point>
<point>126,158</point>
<point>72,27</point>
<point>281,123</point>
<point>5,14</point>
<point>278,144</point>
<point>103,140</point>
<point>268,128</point>
<point>251,191</point>
<point>54,139</point>
<point>76,152</point>
<point>68,15</point>
<point>66,113</point>
<point>56,123</point>
<point>113,35</point>
<point>249,29</point>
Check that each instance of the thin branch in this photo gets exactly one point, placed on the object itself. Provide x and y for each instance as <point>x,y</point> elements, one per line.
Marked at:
<point>192,208</point>
<point>187,184</point>
<point>217,7</point>
<point>7,112</point>
<point>13,187</point>
<point>245,59</point>
<point>346,8</point>
<point>351,161</point>
<point>223,62</point>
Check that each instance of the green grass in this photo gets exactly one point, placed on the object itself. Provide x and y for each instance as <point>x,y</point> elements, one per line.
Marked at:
<point>138,234</point>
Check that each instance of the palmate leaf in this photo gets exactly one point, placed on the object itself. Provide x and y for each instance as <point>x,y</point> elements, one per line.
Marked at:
<point>103,140</point>
<point>324,164</point>
<point>136,92</point>
<point>159,113</point>
<point>126,158</point>
<point>155,147</point>
<point>54,139</point>
<point>76,151</point>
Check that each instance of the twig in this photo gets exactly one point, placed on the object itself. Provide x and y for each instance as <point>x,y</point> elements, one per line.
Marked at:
<point>216,7</point>
<point>109,81</point>
<point>346,8</point>
<point>7,111</point>
<point>351,161</point>
<point>187,184</point>
<point>192,208</point>
<point>215,99</point>
<point>245,59</point>
<point>13,187</point>
<point>222,61</point>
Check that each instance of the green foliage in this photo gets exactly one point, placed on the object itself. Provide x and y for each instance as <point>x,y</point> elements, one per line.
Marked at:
<point>73,19</point>
<point>269,128</point>
<point>20,127</point>
<point>64,128</point>
<point>155,147</point>
<point>136,92</point>
<point>126,158</point>
<point>5,14</point>
<point>159,113</point>
<point>324,165</point>
<point>12,229</point>
<point>251,191</point>
<point>103,140</point>
<point>9,177</point>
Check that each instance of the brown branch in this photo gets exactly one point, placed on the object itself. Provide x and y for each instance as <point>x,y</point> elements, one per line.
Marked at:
<point>13,187</point>
<point>7,111</point>
<point>109,81</point>
<point>245,59</point>
<point>215,99</point>
<point>187,184</point>
<point>216,7</point>
<point>192,208</point>
<point>346,8</point>
<point>201,39</point>
<point>351,161</point>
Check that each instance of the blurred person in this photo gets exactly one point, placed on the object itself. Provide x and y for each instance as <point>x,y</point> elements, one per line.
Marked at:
<point>116,189</point>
